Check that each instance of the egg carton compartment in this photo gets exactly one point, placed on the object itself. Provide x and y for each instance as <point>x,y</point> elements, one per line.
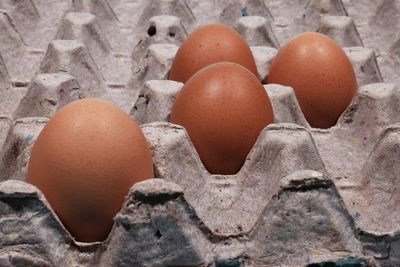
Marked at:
<point>304,197</point>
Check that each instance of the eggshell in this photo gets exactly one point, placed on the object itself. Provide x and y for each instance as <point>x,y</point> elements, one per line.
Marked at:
<point>321,75</point>
<point>84,161</point>
<point>210,44</point>
<point>223,108</point>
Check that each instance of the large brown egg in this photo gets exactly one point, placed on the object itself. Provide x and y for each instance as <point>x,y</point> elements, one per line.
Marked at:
<point>321,75</point>
<point>207,45</point>
<point>84,161</point>
<point>223,107</point>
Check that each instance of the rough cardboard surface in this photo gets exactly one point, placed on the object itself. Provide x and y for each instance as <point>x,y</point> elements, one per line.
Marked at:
<point>304,196</point>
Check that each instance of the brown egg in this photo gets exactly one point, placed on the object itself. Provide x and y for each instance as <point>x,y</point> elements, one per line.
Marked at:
<point>320,74</point>
<point>210,44</point>
<point>223,108</point>
<point>84,161</point>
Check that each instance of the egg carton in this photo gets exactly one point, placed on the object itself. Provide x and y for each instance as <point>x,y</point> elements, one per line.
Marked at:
<point>304,196</point>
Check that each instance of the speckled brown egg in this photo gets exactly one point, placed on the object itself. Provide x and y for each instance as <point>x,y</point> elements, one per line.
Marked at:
<point>84,161</point>
<point>321,75</point>
<point>223,107</point>
<point>207,45</point>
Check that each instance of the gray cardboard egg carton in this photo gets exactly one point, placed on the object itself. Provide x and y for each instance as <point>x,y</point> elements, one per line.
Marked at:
<point>304,197</point>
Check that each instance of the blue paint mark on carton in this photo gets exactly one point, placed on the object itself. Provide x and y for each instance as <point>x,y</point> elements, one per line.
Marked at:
<point>245,12</point>
<point>356,216</point>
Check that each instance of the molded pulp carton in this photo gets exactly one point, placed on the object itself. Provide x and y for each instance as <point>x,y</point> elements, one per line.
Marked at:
<point>304,196</point>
